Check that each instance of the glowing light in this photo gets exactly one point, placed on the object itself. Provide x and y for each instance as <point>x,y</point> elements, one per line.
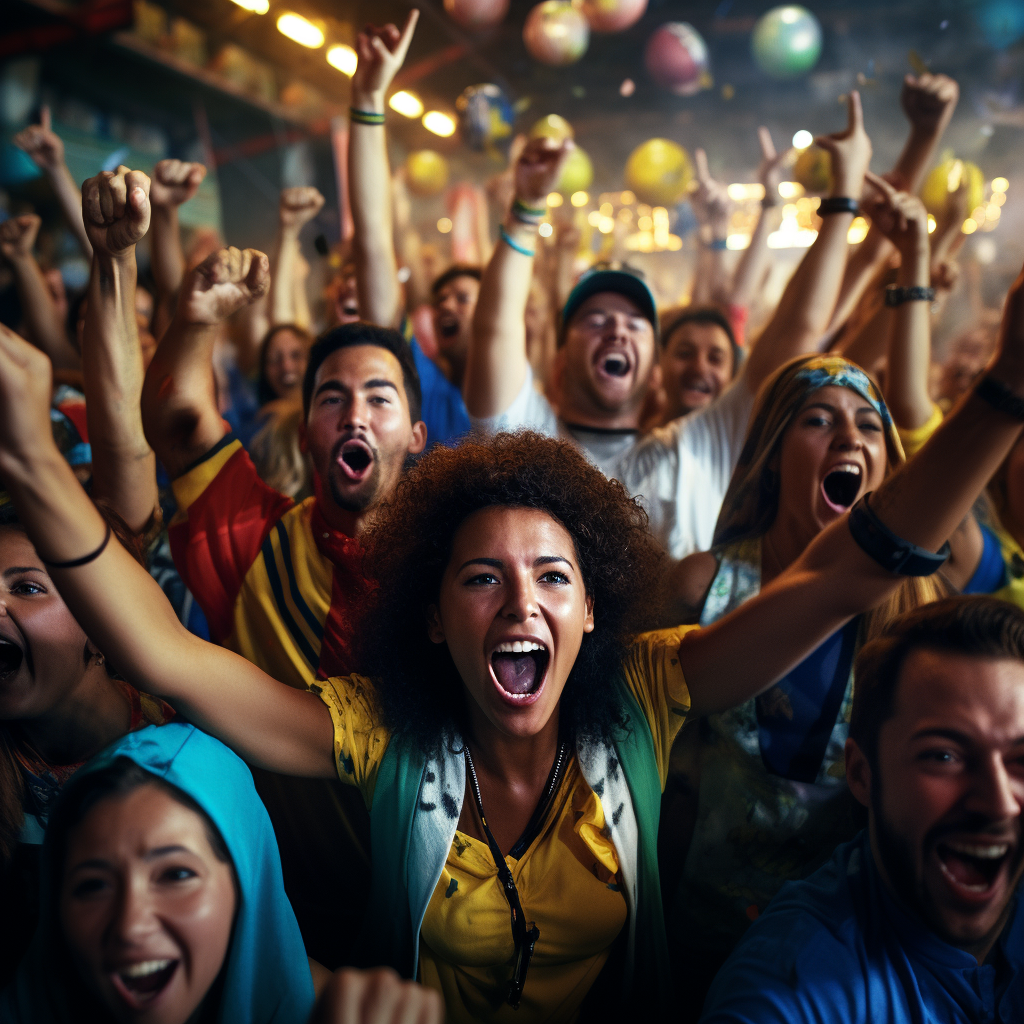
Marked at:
<point>802,139</point>
<point>408,104</point>
<point>790,189</point>
<point>858,231</point>
<point>439,123</point>
<point>545,230</point>
<point>999,198</point>
<point>627,198</point>
<point>555,199</point>
<point>931,223</point>
<point>444,225</point>
<point>628,87</point>
<point>607,209</point>
<point>738,192</point>
<point>738,242</point>
<point>645,223</point>
<point>1000,184</point>
<point>791,236</point>
<point>593,218</point>
<point>344,58</point>
<point>675,243</point>
<point>978,214</point>
<point>605,225</point>
<point>299,30</point>
<point>256,6</point>
<point>969,227</point>
<point>579,199</point>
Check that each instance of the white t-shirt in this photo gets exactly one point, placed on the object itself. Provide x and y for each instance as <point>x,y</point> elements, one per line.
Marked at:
<point>680,471</point>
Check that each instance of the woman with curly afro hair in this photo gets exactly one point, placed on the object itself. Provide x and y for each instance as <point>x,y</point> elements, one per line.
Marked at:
<point>512,742</point>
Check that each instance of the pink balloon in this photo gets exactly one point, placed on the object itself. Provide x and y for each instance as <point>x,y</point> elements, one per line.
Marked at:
<point>476,14</point>
<point>613,15</point>
<point>556,33</point>
<point>677,58</point>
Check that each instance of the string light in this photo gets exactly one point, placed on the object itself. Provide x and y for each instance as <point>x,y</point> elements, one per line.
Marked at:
<point>579,199</point>
<point>344,58</point>
<point>299,30</point>
<point>255,6</point>
<point>406,103</point>
<point>439,123</point>
<point>802,139</point>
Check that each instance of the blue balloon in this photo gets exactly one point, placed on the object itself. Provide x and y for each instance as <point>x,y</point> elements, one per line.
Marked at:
<point>1001,22</point>
<point>485,116</point>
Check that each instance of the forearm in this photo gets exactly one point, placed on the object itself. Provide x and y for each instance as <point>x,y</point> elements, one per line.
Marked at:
<point>123,465</point>
<point>46,328</point>
<point>69,195</point>
<point>754,261</point>
<point>496,364</point>
<point>907,173</point>
<point>282,278</point>
<point>910,348</point>
<point>861,269</point>
<point>166,258</point>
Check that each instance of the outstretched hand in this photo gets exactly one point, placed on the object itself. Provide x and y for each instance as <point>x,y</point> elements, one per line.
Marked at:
<point>538,168</point>
<point>850,151</point>
<point>710,201</point>
<point>18,236</point>
<point>381,53</point>
<point>116,209</point>
<point>175,182</point>
<point>41,143</point>
<point>298,206</point>
<point>222,284</point>
<point>25,383</point>
<point>929,101</point>
<point>377,996</point>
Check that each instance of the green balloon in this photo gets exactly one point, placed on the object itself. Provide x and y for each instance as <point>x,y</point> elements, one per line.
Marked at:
<point>787,41</point>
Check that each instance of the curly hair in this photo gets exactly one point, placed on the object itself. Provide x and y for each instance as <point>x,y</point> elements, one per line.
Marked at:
<point>410,544</point>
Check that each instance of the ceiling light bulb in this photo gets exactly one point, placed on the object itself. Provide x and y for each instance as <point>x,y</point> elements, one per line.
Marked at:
<point>408,104</point>
<point>439,123</point>
<point>344,58</point>
<point>299,30</point>
<point>256,6</point>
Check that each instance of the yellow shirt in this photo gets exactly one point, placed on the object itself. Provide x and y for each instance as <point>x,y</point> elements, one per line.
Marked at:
<point>567,878</point>
<point>913,439</point>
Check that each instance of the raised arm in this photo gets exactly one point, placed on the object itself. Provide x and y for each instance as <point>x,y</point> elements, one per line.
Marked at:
<point>806,305</point>
<point>174,182</point>
<point>834,579</point>
<point>46,149</point>
<point>123,610</point>
<point>381,53</point>
<point>298,206</point>
<point>116,211</point>
<point>179,397</point>
<point>496,363</point>
<point>43,322</point>
<point>712,207</point>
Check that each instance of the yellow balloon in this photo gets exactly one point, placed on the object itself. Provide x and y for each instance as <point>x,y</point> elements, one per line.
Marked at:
<point>813,169</point>
<point>946,178</point>
<point>428,172</point>
<point>553,127</point>
<point>577,174</point>
<point>659,172</point>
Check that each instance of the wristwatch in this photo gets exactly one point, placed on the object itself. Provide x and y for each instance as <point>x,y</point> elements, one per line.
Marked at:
<point>896,296</point>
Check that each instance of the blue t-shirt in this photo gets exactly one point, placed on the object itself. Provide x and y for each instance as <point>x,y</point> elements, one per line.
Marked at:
<point>990,575</point>
<point>444,412</point>
<point>836,948</point>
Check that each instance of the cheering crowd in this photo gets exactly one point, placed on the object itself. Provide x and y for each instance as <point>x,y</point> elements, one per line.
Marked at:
<point>504,646</point>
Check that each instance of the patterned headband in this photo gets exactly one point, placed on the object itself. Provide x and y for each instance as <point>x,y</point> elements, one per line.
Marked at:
<point>832,371</point>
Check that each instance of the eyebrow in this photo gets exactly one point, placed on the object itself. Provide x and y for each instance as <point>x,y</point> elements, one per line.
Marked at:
<point>832,408</point>
<point>160,851</point>
<point>336,385</point>
<point>14,570</point>
<point>497,563</point>
<point>954,734</point>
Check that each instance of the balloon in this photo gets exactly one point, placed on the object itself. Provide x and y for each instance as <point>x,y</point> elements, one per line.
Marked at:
<point>659,172</point>
<point>677,58</point>
<point>427,171</point>
<point>1001,22</point>
<point>556,33</point>
<point>787,41</point>
<point>485,116</point>
<point>946,178</point>
<point>476,14</point>
<point>577,174</point>
<point>552,127</point>
<point>613,15</point>
<point>813,169</point>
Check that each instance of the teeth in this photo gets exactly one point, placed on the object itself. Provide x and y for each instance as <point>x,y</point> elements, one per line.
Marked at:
<point>144,969</point>
<point>519,647</point>
<point>846,467</point>
<point>990,852</point>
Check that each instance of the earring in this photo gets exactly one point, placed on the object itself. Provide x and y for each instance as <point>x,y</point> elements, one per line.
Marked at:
<point>99,659</point>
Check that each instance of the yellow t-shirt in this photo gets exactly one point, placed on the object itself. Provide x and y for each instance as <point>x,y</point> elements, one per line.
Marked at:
<point>567,878</point>
<point>913,439</point>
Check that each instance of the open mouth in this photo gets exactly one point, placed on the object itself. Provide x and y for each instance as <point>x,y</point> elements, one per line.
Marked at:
<point>355,459</point>
<point>519,668</point>
<point>841,486</point>
<point>448,328</point>
<point>614,364</point>
<point>11,657</point>
<point>140,984</point>
<point>350,309</point>
<point>972,868</point>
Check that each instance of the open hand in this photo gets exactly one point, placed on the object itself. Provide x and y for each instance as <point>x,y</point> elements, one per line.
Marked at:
<point>222,284</point>
<point>378,996</point>
<point>850,151</point>
<point>25,383</point>
<point>116,210</point>
<point>900,216</point>
<point>710,201</point>
<point>18,236</point>
<point>42,143</point>
<point>771,170</point>
<point>538,168</point>
<point>381,53</point>
<point>298,206</point>
<point>929,101</point>
<point>175,182</point>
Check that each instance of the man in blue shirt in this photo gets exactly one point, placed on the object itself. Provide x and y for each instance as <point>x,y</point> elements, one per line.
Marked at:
<point>917,919</point>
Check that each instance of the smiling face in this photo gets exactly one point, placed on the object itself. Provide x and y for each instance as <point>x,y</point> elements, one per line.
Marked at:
<point>285,363</point>
<point>358,431</point>
<point>609,355</point>
<point>513,610</point>
<point>696,367</point>
<point>146,907</point>
<point>946,794</point>
<point>454,305</point>
<point>832,453</point>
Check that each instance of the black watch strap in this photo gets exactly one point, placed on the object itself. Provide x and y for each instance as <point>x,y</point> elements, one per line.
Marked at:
<point>892,553</point>
<point>896,296</point>
<point>1000,397</point>
<point>838,204</point>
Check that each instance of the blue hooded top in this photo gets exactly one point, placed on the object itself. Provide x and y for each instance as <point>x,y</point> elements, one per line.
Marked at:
<point>266,977</point>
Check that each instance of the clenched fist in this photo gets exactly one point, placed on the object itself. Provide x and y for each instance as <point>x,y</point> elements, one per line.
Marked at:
<point>116,210</point>
<point>538,168</point>
<point>18,236</point>
<point>298,206</point>
<point>929,101</point>
<point>175,182</point>
<point>377,996</point>
<point>222,284</point>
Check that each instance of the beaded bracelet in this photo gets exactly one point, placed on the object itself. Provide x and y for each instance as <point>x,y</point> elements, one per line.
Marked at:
<point>513,244</point>
<point>364,116</point>
<point>528,214</point>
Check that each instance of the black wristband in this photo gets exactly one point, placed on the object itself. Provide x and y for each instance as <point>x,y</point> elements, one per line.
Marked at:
<point>896,296</point>
<point>1000,397</point>
<point>898,556</point>
<point>838,204</point>
<point>85,559</point>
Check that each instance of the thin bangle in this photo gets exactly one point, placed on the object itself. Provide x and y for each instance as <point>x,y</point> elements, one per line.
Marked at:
<point>538,213</point>
<point>74,563</point>
<point>513,244</point>
<point>365,116</point>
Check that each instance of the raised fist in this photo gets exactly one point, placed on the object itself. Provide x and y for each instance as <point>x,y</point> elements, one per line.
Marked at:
<point>175,182</point>
<point>929,101</point>
<point>381,53</point>
<point>18,236</point>
<point>222,284</point>
<point>116,210</point>
<point>538,168</point>
<point>298,206</point>
<point>41,143</point>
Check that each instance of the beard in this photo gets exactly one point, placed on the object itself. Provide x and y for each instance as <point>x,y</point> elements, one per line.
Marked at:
<point>354,498</point>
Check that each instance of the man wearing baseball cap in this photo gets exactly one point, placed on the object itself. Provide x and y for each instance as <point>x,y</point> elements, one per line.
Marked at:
<point>608,353</point>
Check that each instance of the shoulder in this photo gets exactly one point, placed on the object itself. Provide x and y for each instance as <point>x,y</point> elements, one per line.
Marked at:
<point>689,581</point>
